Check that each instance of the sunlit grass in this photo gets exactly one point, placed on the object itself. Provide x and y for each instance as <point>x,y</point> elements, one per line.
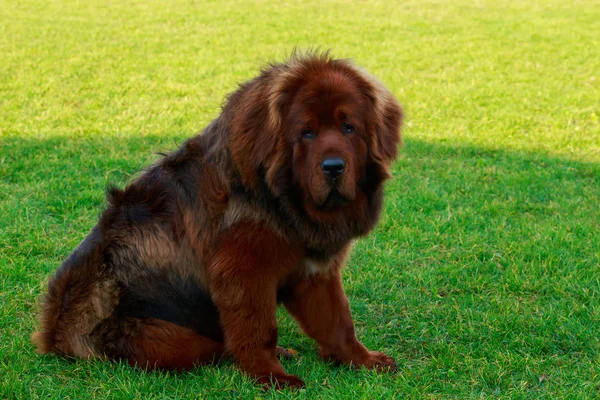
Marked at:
<point>482,278</point>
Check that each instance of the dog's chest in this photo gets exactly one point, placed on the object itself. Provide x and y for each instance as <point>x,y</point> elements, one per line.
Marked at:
<point>312,267</point>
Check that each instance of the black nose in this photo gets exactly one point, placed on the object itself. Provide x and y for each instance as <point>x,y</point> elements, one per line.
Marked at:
<point>333,167</point>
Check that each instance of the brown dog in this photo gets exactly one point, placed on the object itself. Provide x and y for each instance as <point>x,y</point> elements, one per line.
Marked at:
<point>190,261</point>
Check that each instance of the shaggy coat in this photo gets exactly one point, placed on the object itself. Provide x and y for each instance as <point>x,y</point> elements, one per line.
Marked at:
<point>189,262</point>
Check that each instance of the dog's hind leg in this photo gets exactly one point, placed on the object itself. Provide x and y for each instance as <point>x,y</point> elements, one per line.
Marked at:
<point>165,345</point>
<point>155,344</point>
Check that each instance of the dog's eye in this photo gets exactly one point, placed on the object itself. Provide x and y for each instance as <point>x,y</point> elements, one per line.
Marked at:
<point>308,134</point>
<point>347,129</point>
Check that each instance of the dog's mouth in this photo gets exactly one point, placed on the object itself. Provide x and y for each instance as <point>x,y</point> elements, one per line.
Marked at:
<point>334,200</point>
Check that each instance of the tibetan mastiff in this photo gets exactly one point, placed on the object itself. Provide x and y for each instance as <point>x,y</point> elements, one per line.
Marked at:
<point>189,262</point>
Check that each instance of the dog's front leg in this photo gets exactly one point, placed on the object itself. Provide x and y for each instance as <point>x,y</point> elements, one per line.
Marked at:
<point>243,278</point>
<point>320,306</point>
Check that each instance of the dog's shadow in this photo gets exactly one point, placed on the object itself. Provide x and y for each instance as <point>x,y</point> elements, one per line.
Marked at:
<point>461,225</point>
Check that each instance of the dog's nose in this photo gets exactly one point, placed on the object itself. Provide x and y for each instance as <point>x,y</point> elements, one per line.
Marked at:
<point>333,167</point>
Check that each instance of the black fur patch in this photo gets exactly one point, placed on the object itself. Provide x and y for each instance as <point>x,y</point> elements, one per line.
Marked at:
<point>171,298</point>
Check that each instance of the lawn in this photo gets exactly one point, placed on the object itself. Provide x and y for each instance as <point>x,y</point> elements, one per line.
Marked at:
<point>483,277</point>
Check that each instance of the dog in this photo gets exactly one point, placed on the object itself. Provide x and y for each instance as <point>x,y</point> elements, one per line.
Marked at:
<point>189,262</point>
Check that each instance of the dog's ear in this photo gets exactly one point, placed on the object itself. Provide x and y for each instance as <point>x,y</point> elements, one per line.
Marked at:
<point>386,122</point>
<point>389,121</point>
<point>256,137</point>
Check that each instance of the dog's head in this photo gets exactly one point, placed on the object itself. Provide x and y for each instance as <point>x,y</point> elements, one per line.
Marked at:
<point>318,127</point>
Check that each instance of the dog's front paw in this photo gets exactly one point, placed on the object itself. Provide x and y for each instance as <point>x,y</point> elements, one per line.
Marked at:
<point>380,362</point>
<point>365,358</point>
<point>280,381</point>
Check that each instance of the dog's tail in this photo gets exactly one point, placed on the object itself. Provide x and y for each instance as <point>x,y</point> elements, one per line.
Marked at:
<point>76,299</point>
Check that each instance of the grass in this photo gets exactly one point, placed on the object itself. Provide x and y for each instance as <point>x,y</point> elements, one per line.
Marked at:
<point>483,278</point>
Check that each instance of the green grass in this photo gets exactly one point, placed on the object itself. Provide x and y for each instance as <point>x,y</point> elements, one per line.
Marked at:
<point>483,278</point>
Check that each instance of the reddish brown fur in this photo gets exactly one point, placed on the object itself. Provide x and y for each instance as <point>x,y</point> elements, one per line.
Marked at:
<point>246,295</point>
<point>165,345</point>
<point>190,260</point>
<point>321,308</point>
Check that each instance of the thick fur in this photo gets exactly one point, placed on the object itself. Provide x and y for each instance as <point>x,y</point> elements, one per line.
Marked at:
<point>189,262</point>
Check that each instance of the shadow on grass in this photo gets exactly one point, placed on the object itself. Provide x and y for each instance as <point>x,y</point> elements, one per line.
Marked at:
<point>480,255</point>
<point>425,168</point>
